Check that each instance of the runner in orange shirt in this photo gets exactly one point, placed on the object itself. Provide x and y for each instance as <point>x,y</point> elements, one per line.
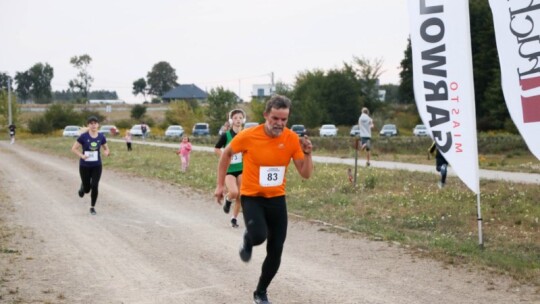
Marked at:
<point>266,151</point>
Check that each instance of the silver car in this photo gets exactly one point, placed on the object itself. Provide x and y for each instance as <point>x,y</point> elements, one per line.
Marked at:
<point>72,131</point>
<point>136,130</point>
<point>174,131</point>
<point>420,130</point>
<point>389,130</point>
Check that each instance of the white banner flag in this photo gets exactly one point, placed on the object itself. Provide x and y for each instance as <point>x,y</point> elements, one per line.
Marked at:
<point>517,31</point>
<point>443,81</point>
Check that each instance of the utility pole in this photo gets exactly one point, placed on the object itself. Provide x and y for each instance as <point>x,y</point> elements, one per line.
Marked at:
<point>9,101</point>
<point>273,88</point>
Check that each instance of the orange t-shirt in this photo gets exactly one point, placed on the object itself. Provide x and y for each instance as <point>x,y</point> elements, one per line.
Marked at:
<point>265,160</point>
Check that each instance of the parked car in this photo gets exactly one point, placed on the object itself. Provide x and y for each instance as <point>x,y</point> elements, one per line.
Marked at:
<point>108,130</point>
<point>355,130</point>
<point>250,124</point>
<point>299,129</point>
<point>389,130</point>
<point>420,130</point>
<point>201,129</point>
<point>72,131</point>
<point>328,130</point>
<point>136,130</point>
<point>174,131</point>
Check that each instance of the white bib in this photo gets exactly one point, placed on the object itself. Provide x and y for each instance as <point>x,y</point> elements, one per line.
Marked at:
<point>91,156</point>
<point>236,158</point>
<point>271,176</point>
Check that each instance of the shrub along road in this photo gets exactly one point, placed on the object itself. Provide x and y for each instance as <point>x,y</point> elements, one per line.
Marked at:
<point>154,242</point>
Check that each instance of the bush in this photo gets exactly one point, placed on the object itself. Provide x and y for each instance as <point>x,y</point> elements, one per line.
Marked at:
<point>60,116</point>
<point>138,111</point>
<point>40,125</point>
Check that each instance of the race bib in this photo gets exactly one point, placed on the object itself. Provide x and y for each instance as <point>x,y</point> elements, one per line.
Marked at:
<point>91,156</point>
<point>236,158</point>
<point>271,176</point>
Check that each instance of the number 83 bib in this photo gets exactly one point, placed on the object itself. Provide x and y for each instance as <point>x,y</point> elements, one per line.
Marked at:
<point>271,176</point>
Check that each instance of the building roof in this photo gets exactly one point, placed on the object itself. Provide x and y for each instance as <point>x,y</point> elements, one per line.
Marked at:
<point>185,91</point>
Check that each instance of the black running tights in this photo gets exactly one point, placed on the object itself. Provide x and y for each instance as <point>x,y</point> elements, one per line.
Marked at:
<point>266,219</point>
<point>90,180</point>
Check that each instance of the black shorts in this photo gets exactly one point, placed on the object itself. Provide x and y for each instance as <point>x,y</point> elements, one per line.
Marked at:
<point>235,174</point>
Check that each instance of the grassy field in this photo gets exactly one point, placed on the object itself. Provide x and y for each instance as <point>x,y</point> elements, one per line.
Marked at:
<point>395,206</point>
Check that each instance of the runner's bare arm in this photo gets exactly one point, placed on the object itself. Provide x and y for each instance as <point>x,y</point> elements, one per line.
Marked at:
<point>76,148</point>
<point>224,162</point>
<point>106,150</point>
<point>305,165</point>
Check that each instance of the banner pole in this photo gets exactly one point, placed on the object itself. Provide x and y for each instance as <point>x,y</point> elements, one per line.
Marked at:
<point>479,218</point>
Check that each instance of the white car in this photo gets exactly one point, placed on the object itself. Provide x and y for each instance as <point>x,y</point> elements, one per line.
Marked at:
<point>136,130</point>
<point>389,130</point>
<point>72,131</point>
<point>420,130</point>
<point>328,130</point>
<point>174,131</point>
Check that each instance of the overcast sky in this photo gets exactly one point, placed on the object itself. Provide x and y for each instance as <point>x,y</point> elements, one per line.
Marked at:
<point>229,43</point>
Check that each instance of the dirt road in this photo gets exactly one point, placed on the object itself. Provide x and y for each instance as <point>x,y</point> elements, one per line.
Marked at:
<point>153,242</point>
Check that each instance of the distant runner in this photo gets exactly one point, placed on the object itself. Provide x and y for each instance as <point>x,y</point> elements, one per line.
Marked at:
<point>90,165</point>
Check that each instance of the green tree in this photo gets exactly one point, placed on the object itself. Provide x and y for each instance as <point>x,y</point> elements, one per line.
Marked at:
<point>41,76</point>
<point>83,81</point>
<point>139,87</point>
<point>181,113</point>
<point>284,89</point>
<point>368,73</point>
<point>24,83</point>
<point>138,111</point>
<point>308,106</point>
<point>4,78</point>
<point>331,97</point>
<point>491,110</point>
<point>256,108</point>
<point>161,78</point>
<point>220,103</point>
<point>406,91</point>
<point>342,96</point>
<point>392,93</point>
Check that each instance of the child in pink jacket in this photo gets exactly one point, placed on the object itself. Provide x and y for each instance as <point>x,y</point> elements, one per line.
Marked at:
<point>183,152</point>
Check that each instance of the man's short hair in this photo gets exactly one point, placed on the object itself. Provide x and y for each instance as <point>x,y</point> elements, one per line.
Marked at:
<point>277,102</point>
<point>365,110</point>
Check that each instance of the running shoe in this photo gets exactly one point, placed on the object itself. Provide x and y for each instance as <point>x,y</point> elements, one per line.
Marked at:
<point>227,206</point>
<point>81,191</point>
<point>92,211</point>
<point>260,298</point>
<point>245,254</point>
<point>234,223</point>
<point>368,164</point>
